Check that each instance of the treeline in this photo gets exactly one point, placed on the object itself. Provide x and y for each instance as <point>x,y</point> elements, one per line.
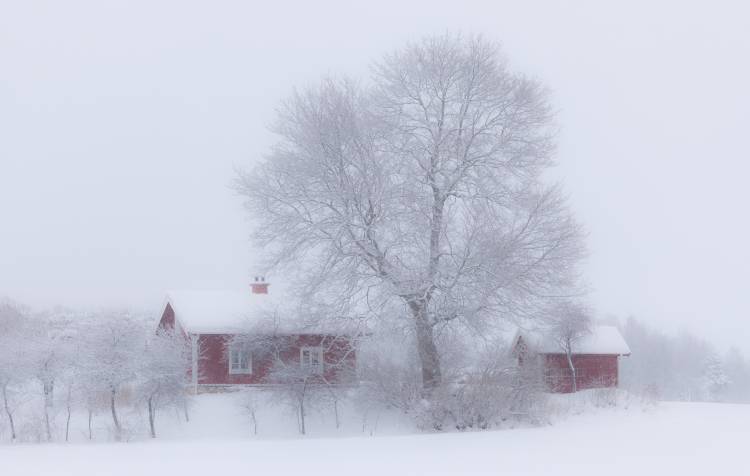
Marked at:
<point>110,376</point>
<point>682,367</point>
<point>94,364</point>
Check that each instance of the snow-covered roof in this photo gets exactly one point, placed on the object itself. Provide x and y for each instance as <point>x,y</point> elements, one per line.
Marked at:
<point>601,340</point>
<point>219,311</point>
<point>234,311</point>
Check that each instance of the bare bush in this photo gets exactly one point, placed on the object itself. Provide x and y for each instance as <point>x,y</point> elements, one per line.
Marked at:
<point>251,404</point>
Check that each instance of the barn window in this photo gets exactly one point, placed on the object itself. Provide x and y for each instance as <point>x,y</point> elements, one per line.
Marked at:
<point>240,361</point>
<point>311,358</point>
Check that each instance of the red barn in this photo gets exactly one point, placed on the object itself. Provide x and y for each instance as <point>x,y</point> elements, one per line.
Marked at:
<point>595,357</point>
<point>210,320</point>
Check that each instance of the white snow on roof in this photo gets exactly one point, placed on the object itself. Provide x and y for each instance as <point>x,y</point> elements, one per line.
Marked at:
<point>230,311</point>
<point>602,340</point>
<point>220,311</point>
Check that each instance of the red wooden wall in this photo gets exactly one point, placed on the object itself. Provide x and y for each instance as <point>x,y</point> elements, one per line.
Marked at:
<point>592,371</point>
<point>213,367</point>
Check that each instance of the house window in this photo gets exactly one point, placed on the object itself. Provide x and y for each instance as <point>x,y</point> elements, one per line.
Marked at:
<point>240,361</point>
<point>311,358</point>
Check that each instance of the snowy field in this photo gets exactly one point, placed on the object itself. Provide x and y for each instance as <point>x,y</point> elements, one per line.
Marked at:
<point>670,438</point>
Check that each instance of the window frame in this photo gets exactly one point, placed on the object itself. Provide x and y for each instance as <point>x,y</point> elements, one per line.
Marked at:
<point>240,352</point>
<point>316,368</point>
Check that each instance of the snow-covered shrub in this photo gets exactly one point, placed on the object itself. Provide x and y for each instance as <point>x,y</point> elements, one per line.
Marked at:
<point>388,383</point>
<point>485,388</point>
<point>499,393</point>
<point>605,397</point>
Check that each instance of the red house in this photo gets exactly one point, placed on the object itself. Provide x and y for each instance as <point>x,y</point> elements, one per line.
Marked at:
<point>595,357</point>
<point>211,320</point>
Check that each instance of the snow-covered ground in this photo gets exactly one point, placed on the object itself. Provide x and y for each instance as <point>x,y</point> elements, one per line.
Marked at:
<point>670,438</point>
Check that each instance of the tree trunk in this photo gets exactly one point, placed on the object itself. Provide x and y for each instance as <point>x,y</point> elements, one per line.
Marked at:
<point>47,428</point>
<point>302,429</point>
<point>572,371</point>
<point>68,408</point>
<point>49,392</point>
<point>118,428</point>
<point>255,422</point>
<point>9,413</point>
<point>151,416</point>
<point>67,425</point>
<point>428,353</point>
<point>48,386</point>
<point>91,414</point>
<point>336,413</point>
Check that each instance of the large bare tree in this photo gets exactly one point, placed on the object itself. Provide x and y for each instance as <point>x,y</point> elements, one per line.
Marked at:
<point>419,193</point>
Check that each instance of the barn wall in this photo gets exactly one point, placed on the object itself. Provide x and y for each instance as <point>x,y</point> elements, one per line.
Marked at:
<point>213,366</point>
<point>592,371</point>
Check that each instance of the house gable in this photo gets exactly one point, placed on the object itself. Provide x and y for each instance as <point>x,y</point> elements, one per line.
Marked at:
<point>167,321</point>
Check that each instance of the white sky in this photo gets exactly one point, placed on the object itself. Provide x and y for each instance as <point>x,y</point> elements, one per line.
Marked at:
<point>121,122</point>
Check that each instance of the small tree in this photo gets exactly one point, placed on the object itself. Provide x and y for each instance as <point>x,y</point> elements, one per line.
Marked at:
<point>715,379</point>
<point>299,381</point>
<point>70,387</point>
<point>738,372</point>
<point>51,357</point>
<point>250,403</point>
<point>568,322</point>
<point>112,352</point>
<point>162,374</point>
<point>15,367</point>
<point>293,384</point>
<point>297,387</point>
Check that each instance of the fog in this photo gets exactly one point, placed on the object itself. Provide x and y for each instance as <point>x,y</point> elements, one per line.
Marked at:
<point>121,126</point>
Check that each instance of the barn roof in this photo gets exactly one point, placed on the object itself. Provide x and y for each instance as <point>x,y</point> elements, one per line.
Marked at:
<point>234,311</point>
<point>602,340</point>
